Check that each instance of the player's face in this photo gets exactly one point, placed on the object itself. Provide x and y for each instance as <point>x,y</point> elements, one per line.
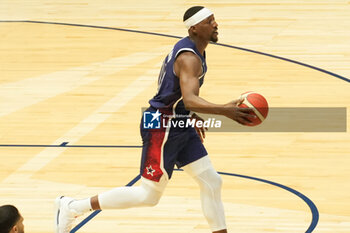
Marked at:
<point>209,29</point>
<point>214,35</point>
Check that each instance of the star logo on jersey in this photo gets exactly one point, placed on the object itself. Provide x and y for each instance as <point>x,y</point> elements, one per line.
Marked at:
<point>150,171</point>
<point>151,120</point>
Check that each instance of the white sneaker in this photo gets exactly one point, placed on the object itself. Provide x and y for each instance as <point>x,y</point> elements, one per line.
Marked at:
<point>65,216</point>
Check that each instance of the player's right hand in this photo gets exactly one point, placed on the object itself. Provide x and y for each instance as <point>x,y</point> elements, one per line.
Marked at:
<point>240,115</point>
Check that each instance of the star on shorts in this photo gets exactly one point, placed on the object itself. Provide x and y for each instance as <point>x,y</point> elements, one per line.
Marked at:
<point>150,171</point>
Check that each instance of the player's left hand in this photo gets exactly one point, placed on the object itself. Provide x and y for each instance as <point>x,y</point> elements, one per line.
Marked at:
<point>200,130</point>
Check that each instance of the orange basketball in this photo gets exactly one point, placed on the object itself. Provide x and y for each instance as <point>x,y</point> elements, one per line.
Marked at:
<point>256,102</point>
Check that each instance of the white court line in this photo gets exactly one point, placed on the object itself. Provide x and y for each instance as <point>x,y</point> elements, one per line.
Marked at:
<point>85,126</point>
<point>17,95</point>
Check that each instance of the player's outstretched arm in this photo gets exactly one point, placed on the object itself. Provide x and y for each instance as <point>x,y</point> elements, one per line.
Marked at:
<point>188,68</point>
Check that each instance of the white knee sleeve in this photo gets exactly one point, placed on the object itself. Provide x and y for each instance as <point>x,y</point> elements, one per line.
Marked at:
<point>147,194</point>
<point>210,184</point>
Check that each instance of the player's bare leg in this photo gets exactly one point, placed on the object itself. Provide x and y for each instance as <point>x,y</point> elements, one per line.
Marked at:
<point>95,205</point>
<point>221,231</point>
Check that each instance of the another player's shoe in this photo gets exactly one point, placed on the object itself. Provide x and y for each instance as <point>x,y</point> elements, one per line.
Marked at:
<point>64,217</point>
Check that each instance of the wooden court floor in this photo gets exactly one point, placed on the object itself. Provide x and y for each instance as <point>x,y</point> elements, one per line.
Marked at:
<point>72,88</point>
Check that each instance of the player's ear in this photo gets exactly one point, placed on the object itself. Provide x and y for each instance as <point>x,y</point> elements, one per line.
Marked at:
<point>14,229</point>
<point>193,29</point>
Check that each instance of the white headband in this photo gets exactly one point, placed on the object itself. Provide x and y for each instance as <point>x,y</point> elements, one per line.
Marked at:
<point>198,17</point>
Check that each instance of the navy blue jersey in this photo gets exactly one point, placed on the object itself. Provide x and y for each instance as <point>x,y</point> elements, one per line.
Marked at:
<point>169,93</point>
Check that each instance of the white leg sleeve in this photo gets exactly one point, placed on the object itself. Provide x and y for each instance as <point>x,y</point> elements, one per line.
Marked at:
<point>147,194</point>
<point>210,184</point>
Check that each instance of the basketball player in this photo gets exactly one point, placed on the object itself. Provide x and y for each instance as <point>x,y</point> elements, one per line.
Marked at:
<point>11,220</point>
<point>180,78</point>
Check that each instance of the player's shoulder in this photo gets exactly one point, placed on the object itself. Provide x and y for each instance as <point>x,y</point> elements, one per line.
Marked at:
<point>188,57</point>
<point>185,55</point>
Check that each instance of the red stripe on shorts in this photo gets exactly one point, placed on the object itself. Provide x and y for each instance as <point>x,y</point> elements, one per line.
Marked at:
<point>152,168</point>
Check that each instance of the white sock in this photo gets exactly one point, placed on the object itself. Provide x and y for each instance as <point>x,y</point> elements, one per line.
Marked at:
<point>81,206</point>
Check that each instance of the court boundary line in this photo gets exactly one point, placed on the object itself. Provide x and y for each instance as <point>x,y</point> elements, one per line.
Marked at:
<point>96,212</point>
<point>308,201</point>
<point>311,205</point>
<point>179,37</point>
